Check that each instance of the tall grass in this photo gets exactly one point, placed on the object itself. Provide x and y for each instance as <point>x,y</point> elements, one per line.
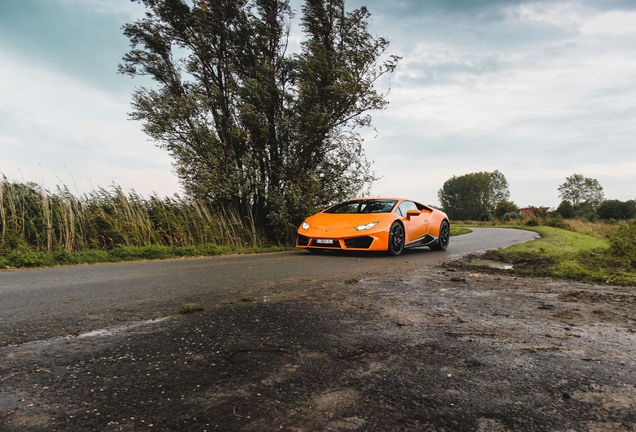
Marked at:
<point>35,219</point>
<point>599,230</point>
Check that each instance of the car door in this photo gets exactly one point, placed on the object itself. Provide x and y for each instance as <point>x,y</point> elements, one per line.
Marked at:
<point>415,226</point>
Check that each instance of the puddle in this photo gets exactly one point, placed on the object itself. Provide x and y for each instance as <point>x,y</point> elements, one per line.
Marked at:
<point>491,264</point>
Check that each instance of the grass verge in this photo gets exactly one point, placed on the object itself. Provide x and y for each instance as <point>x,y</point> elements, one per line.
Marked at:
<point>572,255</point>
<point>456,231</point>
<point>31,259</point>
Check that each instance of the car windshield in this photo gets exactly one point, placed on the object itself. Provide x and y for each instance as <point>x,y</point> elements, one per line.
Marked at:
<point>363,206</point>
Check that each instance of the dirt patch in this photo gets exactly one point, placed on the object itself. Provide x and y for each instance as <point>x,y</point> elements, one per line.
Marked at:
<point>595,297</point>
<point>432,350</point>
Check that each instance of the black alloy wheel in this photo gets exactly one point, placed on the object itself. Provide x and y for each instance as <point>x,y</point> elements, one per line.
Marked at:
<point>396,239</point>
<point>444,237</point>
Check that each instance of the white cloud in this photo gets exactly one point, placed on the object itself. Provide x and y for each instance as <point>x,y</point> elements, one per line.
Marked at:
<point>568,15</point>
<point>536,111</point>
<point>615,22</point>
<point>54,126</point>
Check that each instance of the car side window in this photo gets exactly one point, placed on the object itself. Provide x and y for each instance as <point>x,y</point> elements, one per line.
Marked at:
<point>423,208</point>
<point>406,206</point>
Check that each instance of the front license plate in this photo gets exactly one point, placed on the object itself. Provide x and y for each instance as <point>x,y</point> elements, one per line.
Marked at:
<point>324,241</point>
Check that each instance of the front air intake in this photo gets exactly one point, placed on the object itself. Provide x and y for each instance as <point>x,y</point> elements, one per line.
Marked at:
<point>359,242</point>
<point>302,240</point>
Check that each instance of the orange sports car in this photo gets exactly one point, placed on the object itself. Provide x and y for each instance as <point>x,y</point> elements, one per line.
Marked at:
<point>375,224</point>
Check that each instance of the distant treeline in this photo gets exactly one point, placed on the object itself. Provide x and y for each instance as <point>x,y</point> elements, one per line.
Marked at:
<point>36,219</point>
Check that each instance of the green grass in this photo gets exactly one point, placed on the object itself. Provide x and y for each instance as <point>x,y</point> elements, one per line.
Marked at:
<point>570,255</point>
<point>30,259</point>
<point>190,308</point>
<point>557,242</point>
<point>456,231</point>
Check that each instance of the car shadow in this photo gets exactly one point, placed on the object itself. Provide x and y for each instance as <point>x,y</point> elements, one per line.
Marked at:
<point>366,254</point>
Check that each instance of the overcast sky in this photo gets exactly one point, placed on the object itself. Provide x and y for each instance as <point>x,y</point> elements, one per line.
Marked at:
<point>538,90</point>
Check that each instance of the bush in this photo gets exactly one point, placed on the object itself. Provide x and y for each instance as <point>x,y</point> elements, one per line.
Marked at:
<point>588,215</point>
<point>510,216</point>
<point>532,221</point>
<point>539,212</point>
<point>623,244</point>
<point>556,222</point>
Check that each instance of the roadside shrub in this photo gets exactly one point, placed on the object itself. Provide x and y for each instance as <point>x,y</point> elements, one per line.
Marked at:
<point>539,212</point>
<point>588,215</point>
<point>510,216</point>
<point>532,221</point>
<point>623,244</point>
<point>21,258</point>
<point>62,257</point>
<point>556,222</point>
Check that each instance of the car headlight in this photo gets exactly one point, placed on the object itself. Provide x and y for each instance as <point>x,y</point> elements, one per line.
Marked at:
<point>305,225</point>
<point>367,226</point>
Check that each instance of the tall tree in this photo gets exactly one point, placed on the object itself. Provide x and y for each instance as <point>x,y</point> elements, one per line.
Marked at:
<point>249,126</point>
<point>473,196</point>
<point>579,190</point>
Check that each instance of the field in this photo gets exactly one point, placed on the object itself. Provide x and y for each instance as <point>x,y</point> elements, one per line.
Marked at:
<point>574,249</point>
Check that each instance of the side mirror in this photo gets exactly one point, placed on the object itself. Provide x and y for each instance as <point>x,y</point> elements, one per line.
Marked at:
<point>410,213</point>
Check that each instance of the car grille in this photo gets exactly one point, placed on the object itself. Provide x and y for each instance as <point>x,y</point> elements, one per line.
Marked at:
<point>302,240</point>
<point>359,242</point>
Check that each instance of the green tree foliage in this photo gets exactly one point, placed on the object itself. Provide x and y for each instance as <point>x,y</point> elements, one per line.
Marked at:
<point>580,190</point>
<point>505,206</point>
<point>566,209</point>
<point>473,196</point>
<point>616,209</point>
<point>248,125</point>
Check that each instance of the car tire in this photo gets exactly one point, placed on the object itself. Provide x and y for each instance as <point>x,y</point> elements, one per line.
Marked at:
<point>396,239</point>
<point>444,237</point>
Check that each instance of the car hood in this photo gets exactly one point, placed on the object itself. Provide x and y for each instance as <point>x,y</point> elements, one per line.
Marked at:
<point>344,221</point>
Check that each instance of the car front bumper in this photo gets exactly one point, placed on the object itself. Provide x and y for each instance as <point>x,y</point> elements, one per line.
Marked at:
<point>373,241</point>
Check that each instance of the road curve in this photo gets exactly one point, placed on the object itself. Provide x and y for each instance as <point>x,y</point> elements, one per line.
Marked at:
<point>51,302</point>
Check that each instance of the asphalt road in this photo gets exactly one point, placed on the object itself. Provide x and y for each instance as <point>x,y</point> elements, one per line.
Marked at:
<point>287,344</point>
<point>44,303</point>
